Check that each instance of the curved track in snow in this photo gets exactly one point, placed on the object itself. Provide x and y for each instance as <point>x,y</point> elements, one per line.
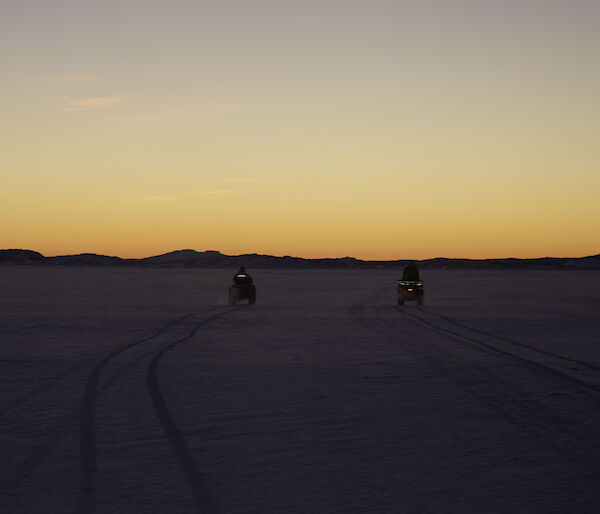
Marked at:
<point>88,455</point>
<point>200,490</point>
<point>561,417</point>
<point>36,397</point>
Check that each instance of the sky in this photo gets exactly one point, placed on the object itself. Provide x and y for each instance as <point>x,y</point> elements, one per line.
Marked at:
<point>379,129</point>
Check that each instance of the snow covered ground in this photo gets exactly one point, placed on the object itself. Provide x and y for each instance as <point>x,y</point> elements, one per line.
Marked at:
<point>141,390</point>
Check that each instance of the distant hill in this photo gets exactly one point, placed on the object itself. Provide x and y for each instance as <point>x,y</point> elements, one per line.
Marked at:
<point>86,259</point>
<point>23,256</point>
<point>214,259</point>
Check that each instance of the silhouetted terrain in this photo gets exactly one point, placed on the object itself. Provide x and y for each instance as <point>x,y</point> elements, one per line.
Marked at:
<point>214,259</point>
<point>27,256</point>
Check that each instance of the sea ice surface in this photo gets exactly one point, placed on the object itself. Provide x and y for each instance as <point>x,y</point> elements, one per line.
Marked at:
<point>126,390</point>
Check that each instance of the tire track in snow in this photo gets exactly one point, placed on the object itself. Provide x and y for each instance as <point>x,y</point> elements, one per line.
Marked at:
<point>512,341</point>
<point>42,451</point>
<point>554,361</point>
<point>199,488</point>
<point>573,440</point>
<point>576,440</point>
<point>88,453</point>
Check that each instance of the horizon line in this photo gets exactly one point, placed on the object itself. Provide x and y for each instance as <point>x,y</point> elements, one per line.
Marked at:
<point>296,257</point>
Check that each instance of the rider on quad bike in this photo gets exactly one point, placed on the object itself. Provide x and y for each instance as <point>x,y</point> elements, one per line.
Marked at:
<point>411,272</point>
<point>242,288</point>
<point>241,278</point>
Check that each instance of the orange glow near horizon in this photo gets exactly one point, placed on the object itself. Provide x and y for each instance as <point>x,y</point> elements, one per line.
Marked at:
<point>379,132</point>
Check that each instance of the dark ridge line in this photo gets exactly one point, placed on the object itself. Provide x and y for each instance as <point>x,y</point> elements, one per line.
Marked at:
<point>215,259</point>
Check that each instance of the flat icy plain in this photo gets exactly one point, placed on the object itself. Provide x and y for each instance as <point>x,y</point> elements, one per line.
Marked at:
<point>140,391</point>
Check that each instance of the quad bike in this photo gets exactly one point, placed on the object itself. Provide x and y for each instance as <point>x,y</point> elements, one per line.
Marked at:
<point>242,292</point>
<point>410,290</point>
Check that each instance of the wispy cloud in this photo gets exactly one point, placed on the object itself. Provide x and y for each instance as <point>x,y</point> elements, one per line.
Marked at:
<point>96,102</point>
<point>155,199</point>
<point>232,191</point>
<point>71,78</point>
